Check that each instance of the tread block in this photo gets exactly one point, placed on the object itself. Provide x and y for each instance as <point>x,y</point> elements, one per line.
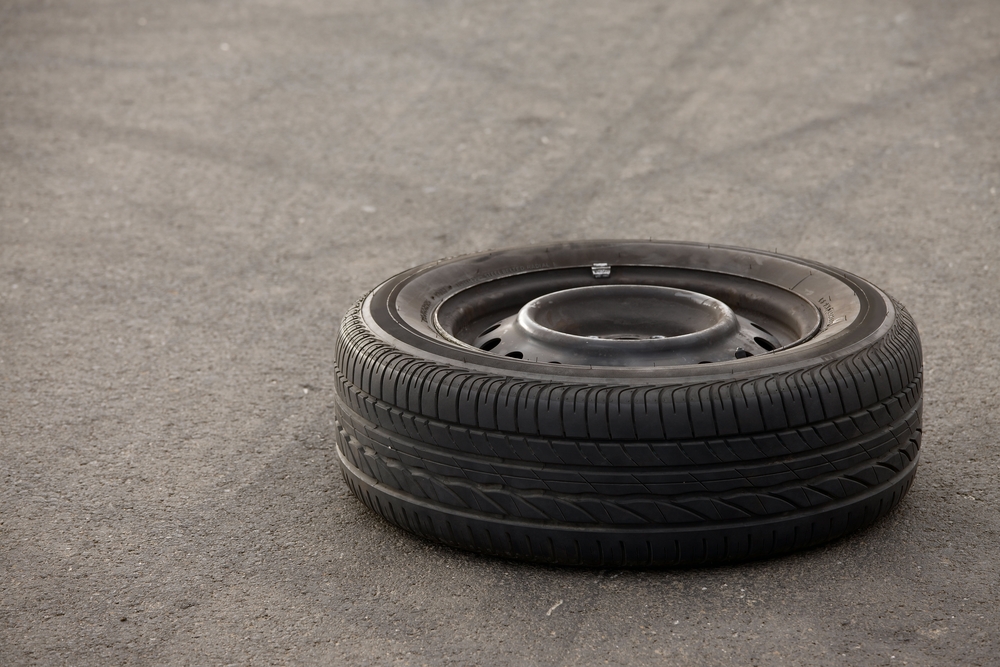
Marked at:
<point>866,476</point>
<point>863,382</point>
<point>747,409</point>
<point>771,405</point>
<point>641,454</point>
<point>488,411</point>
<point>569,453</point>
<point>769,446</point>
<point>574,416</point>
<point>549,411</point>
<point>846,387</point>
<point>506,398</point>
<point>527,409</point>
<point>847,428</point>
<point>621,421</point>
<point>649,425</point>
<point>791,401</point>
<point>468,404</point>
<point>676,425</point>
<point>829,392</point>
<point>449,405</point>
<point>699,400</point>
<point>726,450</point>
<point>597,414</point>
<point>615,454</point>
<point>750,502</point>
<point>726,403</point>
<point>542,450</point>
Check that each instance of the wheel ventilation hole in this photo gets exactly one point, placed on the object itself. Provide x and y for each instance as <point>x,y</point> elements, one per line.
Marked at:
<point>515,355</point>
<point>763,342</point>
<point>742,354</point>
<point>492,328</point>
<point>490,344</point>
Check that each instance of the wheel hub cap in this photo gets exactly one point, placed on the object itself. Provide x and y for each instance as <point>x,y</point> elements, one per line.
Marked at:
<point>624,325</point>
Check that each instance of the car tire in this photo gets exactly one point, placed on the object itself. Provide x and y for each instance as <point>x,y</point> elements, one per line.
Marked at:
<point>520,403</point>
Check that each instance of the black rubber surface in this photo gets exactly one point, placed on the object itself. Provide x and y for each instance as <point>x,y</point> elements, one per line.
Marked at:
<point>653,472</point>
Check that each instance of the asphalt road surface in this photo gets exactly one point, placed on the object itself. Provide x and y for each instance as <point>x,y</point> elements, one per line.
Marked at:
<point>192,193</point>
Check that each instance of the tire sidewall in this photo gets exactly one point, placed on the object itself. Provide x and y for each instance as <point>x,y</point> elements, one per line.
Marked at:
<point>877,314</point>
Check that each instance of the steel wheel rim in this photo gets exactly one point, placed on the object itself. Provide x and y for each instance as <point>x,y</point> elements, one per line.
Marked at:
<point>694,327</point>
<point>444,306</point>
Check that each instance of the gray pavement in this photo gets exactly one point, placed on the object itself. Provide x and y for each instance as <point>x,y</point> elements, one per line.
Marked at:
<point>192,193</point>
